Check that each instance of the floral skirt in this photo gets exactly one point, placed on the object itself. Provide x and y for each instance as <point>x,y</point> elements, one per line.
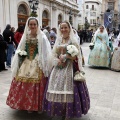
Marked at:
<point>99,56</point>
<point>115,63</point>
<point>74,109</point>
<point>26,95</point>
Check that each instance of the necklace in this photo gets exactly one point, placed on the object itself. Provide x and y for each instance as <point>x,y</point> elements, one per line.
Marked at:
<point>65,40</point>
<point>33,35</point>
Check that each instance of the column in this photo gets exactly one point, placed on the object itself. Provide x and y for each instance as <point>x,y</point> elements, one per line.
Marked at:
<point>1,14</point>
<point>13,11</point>
<point>6,12</point>
<point>51,15</point>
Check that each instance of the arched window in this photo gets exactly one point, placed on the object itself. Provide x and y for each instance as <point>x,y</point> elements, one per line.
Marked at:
<point>87,7</point>
<point>22,14</point>
<point>45,14</point>
<point>59,19</point>
<point>22,9</point>
<point>45,18</point>
<point>71,20</point>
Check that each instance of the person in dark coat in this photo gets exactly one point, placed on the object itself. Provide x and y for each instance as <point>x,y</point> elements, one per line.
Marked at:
<point>9,38</point>
<point>3,47</point>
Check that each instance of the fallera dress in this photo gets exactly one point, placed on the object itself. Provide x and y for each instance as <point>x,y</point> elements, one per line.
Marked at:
<point>64,96</point>
<point>115,63</point>
<point>99,55</point>
<point>27,88</point>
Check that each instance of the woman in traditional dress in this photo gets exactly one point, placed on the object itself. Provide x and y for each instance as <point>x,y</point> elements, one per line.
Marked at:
<point>99,55</point>
<point>64,96</point>
<point>78,38</point>
<point>115,63</point>
<point>30,73</point>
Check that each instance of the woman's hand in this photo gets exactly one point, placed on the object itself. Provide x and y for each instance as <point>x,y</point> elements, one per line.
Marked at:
<point>108,48</point>
<point>62,57</point>
<point>61,64</point>
<point>116,48</point>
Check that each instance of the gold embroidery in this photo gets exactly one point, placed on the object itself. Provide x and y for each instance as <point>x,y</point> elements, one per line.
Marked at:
<point>31,80</point>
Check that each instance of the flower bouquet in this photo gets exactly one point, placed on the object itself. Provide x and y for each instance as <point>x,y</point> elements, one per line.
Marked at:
<point>22,54</point>
<point>63,51</point>
<point>72,50</point>
<point>91,46</point>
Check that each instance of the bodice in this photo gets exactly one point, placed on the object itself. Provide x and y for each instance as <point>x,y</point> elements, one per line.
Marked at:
<point>31,47</point>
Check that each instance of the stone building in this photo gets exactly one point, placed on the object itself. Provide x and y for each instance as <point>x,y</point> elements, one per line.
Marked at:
<point>92,10</point>
<point>113,6</point>
<point>50,12</point>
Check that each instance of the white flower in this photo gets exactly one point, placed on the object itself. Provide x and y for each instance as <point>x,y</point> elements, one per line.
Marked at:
<point>69,47</point>
<point>24,52</point>
<point>21,52</point>
<point>91,44</point>
<point>18,51</point>
<point>72,50</point>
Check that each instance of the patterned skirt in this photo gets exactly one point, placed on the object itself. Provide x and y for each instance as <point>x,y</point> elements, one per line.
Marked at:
<point>74,109</point>
<point>26,96</point>
<point>115,63</point>
<point>99,56</point>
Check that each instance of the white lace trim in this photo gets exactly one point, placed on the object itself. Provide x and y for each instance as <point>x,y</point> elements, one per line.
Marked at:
<point>60,92</point>
<point>61,98</point>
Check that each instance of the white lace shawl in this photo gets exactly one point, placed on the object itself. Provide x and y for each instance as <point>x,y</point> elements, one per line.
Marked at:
<point>73,40</point>
<point>44,52</point>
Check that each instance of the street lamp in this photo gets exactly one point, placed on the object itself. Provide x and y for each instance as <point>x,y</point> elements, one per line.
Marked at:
<point>33,6</point>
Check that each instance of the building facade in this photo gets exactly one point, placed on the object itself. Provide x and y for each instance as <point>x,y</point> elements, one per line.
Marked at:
<point>50,12</point>
<point>81,14</point>
<point>92,12</point>
<point>114,7</point>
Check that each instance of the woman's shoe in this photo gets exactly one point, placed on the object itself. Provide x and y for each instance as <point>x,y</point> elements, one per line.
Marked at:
<point>39,112</point>
<point>30,111</point>
<point>5,69</point>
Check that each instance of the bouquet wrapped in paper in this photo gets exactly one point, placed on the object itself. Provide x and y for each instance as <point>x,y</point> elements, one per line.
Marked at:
<point>63,50</point>
<point>91,46</point>
<point>21,52</point>
<point>72,50</point>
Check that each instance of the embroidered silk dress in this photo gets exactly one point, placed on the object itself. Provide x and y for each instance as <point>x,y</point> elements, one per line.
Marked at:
<point>99,56</point>
<point>27,88</point>
<point>64,96</point>
<point>115,63</point>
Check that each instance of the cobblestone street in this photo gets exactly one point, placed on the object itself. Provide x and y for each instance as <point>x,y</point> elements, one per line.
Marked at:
<point>104,89</point>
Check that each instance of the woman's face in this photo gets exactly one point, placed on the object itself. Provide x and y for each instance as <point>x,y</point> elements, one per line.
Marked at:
<point>101,29</point>
<point>33,25</point>
<point>65,30</point>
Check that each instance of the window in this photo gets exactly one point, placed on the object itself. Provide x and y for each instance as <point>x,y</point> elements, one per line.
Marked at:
<point>22,9</point>
<point>94,21</point>
<point>91,21</point>
<point>92,13</point>
<point>87,7</point>
<point>45,14</point>
<point>59,19</point>
<point>111,5</point>
<point>93,7</point>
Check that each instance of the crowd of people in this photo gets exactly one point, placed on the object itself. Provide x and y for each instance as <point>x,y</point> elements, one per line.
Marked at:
<point>47,66</point>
